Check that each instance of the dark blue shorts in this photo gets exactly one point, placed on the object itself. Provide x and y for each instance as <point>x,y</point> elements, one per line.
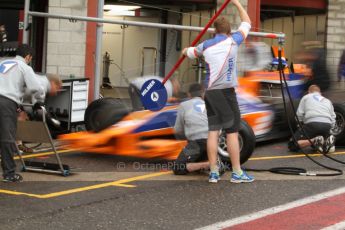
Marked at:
<point>222,110</point>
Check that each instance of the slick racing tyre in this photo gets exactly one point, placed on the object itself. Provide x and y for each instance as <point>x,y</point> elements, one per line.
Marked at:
<point>339,130</point>
<point>104,112</point>
<point>246,138</point>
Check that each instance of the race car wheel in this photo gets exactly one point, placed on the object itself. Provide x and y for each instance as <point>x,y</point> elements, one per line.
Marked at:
<point>246,140</point>
<point>104,112</point>
<point>339,130</point>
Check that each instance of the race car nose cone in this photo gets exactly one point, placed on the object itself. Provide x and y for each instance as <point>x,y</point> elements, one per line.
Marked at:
<point>153,95</point>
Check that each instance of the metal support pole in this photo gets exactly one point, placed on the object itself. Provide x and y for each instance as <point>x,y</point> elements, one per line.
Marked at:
<point>98,54</point>
<point>199,71</point>
<point>147,24</point>
<point>26,22</point>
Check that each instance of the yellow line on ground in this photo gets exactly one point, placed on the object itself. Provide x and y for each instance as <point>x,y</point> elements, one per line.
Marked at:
<point>42,154</point>
<point>9,192</point>
<point>292,156</point>
<point>77,190</point>
<point>125,185</point>
<point>120,183</point>
<point>146,176</point>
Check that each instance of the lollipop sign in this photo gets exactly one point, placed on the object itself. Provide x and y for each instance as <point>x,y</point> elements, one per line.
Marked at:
<point>154,89</point>
<point>153,95</point>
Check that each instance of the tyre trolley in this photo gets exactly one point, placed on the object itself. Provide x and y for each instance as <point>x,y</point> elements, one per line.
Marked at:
<point>38,132</point>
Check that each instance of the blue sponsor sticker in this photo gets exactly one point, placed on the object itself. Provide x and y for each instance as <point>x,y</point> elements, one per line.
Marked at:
<point>318,97</point>
<point>199,106</point>
<point>6,66</point>
<point>153,95</point>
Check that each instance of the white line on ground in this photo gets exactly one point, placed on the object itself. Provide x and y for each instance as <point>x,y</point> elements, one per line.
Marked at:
<point>274,210</point>
<point>338,226</point>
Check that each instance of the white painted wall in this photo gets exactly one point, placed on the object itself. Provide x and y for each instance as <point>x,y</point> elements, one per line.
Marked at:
<point>66,40</point>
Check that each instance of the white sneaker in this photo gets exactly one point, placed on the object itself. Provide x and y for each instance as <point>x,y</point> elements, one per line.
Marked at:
<point>331,149</point>
<point>330,144</point>
<point>318,143</point>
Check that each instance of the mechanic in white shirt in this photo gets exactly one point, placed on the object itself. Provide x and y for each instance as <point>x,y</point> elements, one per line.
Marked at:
<point>191,123</point>
<point>318,117</point>
<point>15,76</point>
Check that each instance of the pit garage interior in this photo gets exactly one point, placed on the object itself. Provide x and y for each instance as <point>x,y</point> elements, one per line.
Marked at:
<point>130,51</point>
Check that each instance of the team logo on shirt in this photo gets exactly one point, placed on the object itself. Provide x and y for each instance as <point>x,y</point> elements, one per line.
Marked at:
<point>318,97</point>
<point>200,107</point>
<point>6,66</point>
<point>231,66</point>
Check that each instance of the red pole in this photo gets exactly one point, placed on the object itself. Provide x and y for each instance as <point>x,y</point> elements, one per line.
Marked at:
<point>196,40</point>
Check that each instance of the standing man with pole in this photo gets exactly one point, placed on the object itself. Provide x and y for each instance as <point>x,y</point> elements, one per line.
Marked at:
<point>220,55</point>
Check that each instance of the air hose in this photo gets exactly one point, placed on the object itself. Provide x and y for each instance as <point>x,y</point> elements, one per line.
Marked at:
<point>293,170</point>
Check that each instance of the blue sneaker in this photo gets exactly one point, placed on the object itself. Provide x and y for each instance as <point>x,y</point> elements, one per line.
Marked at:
<point>244,178</point>
<point>213,177</point>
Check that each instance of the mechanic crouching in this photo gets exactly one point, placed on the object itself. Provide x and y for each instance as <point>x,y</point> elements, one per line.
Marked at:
<point>317,115</point>
<point>191,123</point>
<point>15,77</point>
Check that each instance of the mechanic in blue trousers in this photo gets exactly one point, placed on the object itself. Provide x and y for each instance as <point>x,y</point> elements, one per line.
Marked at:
<point>318,117</point>
<point>172,86</point>
<point>15,77</point>
<point>191,124</point>
<point>223,112</point>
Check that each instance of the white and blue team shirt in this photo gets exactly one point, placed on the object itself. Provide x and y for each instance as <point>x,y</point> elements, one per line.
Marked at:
<point>191,120</point>
<point>17,78</point>
<point>220,55</point>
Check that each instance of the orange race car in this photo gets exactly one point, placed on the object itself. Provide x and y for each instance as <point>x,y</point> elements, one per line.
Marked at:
<point>112,129</point>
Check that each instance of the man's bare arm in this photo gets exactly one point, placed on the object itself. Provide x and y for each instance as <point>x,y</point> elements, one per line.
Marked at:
<point>243,13</point>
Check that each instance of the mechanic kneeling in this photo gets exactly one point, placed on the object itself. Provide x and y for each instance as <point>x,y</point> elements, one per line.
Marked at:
<point>318,117</point>
<point>191,122</point>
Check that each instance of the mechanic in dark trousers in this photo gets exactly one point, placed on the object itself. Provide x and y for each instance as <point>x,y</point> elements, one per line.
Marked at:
<point>15,76</point>
<point>220,54</point>
<point>191,123</point>
<point>317,115</point>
